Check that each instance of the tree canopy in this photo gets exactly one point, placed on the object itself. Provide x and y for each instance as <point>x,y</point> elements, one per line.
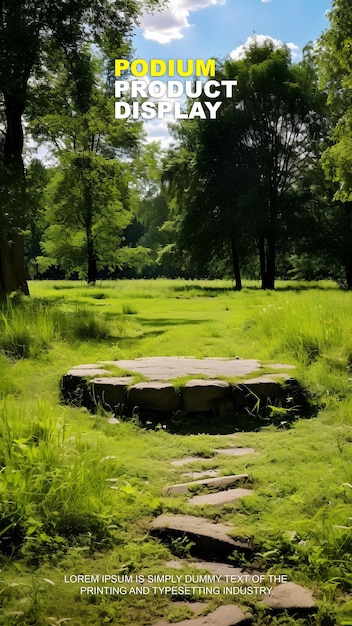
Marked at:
<point>35,38</point>
<point>241,168</point>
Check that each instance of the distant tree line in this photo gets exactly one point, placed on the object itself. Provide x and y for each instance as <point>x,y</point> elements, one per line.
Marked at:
<point>263,191</point>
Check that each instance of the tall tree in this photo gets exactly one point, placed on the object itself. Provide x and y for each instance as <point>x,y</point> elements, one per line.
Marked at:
<point>33,34</point>
<point>246,161</point>
<point>281,105</point>
<point>335,47</point>
<point>89,196</point>
<point>87,211</point>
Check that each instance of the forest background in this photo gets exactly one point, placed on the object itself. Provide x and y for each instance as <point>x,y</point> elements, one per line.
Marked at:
<point>262,191</point>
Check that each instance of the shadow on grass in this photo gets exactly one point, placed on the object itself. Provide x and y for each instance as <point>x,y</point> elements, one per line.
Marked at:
<point>205,288</point>
<point>287,286</point>
<point>209,423</point>
<point>164,321</point>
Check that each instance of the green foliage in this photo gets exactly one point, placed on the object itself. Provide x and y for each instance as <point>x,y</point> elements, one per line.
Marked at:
<point>44,39</point>
<point>236,174</point>
<point>87,213</point>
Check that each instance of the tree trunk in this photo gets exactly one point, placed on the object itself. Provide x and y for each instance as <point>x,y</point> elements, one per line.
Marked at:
<point>348,261</point>
<point>236,266</point>
<point>349,269</point>
<point>92,260</point>
<point>270,263</point>
<point>12,266</point>
<point>262,263</point>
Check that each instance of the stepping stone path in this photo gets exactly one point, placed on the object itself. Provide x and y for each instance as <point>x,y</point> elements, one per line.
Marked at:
<point>92,384</point>
<point>215,543</point>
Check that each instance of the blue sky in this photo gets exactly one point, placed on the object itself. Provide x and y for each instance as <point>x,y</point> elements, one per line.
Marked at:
<point>217,28</point>
<point>205,28</point>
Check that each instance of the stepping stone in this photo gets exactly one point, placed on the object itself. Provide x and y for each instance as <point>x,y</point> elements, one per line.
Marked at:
<point>225,615</point>
<point>235,451</point>
<point>222,497</point>
<point>220,569</point>
<point>205,395</point>
<point>290,597</point>
<point>211,541</point>
<point>87,372</point>
<point>210,473</point>
<point>217,482</point>
<point>110,391</point>
<point>154,396</point>
<point>186,460</point>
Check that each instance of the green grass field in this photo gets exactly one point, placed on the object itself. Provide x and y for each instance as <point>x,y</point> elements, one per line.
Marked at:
<point>77,492</point>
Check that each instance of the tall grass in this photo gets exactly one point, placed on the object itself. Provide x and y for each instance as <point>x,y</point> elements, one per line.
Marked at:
<point>28,329</point>
<point>52,494</point>
<point>307,327</point>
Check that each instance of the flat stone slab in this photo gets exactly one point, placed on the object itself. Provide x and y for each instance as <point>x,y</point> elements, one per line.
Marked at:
<point>211,483</point>
<point>220,569</point>
<point>225,615</point>
<point>211,541</point>
<point>235,451</point>
<point>171,367</point>
<point>221,497</point>
<point>210,473</point>
<point>290,597</point>
<point>87,372</point>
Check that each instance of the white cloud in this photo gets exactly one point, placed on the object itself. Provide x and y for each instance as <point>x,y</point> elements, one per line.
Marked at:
<point>266,1</point>
<point>157,130</point>
<point>296,52</point>
<point>260,40</point>
<point>169,24</point>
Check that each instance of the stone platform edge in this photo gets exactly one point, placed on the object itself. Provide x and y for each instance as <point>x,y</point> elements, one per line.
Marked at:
<point>93,386</point>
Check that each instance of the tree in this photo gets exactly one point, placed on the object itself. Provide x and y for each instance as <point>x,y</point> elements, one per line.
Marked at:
<point>281,105</point>
<point>335,47</point>
<point>246,161</point>
<point>90,195</point>
<point>36,34</point>
<point>37,179</point>
<point>87,212</point>
<point>204,178</point>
